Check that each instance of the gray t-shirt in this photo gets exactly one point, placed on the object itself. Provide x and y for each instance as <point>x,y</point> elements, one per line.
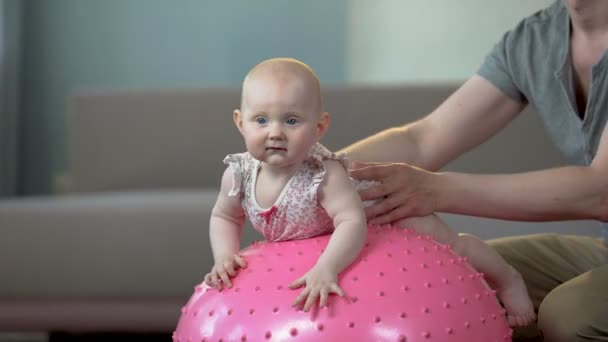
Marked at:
<point>531,63</point>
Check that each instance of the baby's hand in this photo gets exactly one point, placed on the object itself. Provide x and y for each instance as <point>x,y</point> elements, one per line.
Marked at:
<point>319,282</point>
<point>224,269</point>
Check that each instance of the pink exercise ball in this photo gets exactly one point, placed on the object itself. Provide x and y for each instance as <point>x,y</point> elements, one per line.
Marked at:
<point>402,287</point>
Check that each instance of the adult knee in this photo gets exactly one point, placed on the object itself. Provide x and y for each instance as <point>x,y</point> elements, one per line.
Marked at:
<point>562,315</point>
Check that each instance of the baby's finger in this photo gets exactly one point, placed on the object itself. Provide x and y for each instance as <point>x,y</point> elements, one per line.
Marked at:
<point>298,283</point>
<point>323,299</point>
<point>208,279</point>
<point>229,268</point>
<point>303,295</point>
<point>215,281</point>
<point>240,261</point>
<point>225,279</point>
<point>334,288</point>
<point>312,298</point>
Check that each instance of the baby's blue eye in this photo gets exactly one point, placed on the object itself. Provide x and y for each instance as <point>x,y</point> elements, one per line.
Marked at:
<point>260,120</point>
<point>292,121</point>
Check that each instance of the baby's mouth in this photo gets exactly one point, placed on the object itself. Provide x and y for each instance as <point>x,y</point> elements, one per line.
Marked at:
<point>276,149</point>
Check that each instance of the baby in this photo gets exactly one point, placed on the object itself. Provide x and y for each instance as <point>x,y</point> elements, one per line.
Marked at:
<point>287,184</point>
<point>291,187</point>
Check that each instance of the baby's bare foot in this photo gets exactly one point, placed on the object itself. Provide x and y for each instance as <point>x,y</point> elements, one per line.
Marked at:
<point>514,296</point>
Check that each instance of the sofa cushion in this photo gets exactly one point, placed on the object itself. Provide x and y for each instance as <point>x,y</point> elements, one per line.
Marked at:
<point>115,244</point>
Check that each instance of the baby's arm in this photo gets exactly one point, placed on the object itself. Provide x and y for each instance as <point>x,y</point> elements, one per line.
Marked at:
<point>343,205</point>
<point>225,228</point>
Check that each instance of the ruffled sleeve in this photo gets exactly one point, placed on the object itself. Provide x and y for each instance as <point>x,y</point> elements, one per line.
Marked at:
<point>238,164</point>
<point>318,154</point>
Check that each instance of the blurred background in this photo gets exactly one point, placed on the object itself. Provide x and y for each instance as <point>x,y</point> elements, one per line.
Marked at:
<point>48,48</point>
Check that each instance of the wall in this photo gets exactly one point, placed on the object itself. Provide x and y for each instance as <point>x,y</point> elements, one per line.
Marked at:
<point>156,43</point>
<point>396,41</point>
<point>10,49</point>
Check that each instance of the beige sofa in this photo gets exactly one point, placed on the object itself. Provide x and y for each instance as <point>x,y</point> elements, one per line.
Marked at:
<point>122,247</point>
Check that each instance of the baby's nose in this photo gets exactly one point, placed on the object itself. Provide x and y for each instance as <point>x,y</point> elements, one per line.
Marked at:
<point>276,131</point>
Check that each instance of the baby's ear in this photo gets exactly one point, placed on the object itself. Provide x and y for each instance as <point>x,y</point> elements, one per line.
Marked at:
<point>237,116</point>
<point>323,125</point>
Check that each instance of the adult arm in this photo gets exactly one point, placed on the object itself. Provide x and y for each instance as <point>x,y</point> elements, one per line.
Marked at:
<point>471,115</point>
<point>571,192</point>
<point>564,193</point>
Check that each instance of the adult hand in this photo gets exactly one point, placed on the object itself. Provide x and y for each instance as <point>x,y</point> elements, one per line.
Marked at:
<point>224,269</point>
<point>404,191</point>
<point>319,282</point>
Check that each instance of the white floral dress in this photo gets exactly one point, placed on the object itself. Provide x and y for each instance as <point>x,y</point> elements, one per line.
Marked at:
<point>296,214</point>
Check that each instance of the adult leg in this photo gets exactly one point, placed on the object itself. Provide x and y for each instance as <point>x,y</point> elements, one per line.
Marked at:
<point>577,310</point>
<point>548,260</point>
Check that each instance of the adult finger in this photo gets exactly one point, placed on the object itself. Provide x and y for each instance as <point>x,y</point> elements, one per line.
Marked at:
<point>375,172</point>
<point>381,208</point>
<point>375,192</point>
<point>358,164</point>
<point>392,216</point>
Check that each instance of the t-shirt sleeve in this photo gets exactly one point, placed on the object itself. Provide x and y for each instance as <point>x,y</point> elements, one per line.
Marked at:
<point>497,69</point>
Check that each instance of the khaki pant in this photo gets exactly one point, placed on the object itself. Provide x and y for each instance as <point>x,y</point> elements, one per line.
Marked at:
<point>567,278</point>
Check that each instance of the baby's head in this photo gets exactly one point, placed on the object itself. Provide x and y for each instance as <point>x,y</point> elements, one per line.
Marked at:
<point>281,114</point>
